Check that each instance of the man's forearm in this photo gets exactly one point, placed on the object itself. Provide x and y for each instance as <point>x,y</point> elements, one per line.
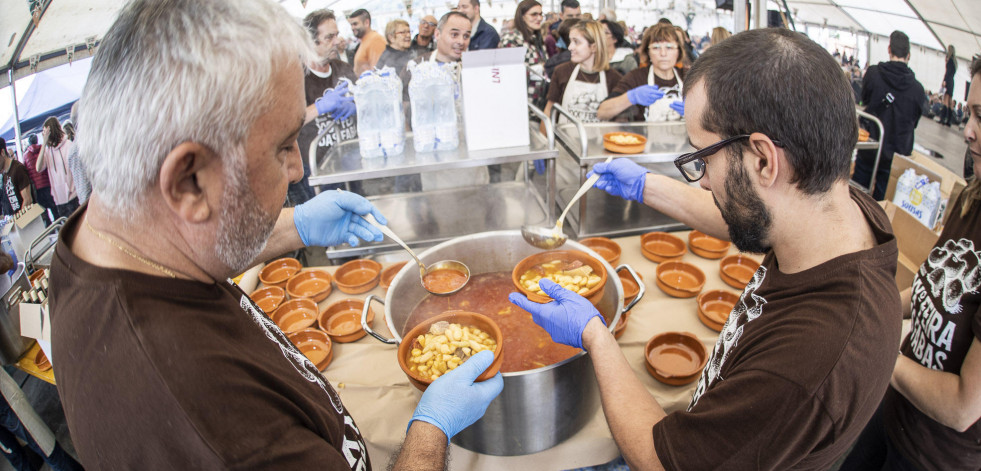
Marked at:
<point>284,237</point>
<point>424,449</point>
<point>689,204</point>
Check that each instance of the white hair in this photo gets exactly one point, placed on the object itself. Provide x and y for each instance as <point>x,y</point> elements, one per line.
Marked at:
<point>173,71</point>
<point>609,14</point>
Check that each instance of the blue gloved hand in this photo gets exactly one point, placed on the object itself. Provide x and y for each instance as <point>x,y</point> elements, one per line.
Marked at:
<point>333,99</point>
<point>334,217</point>
<point>540,166</point>
<point>345,110</point>
<point>644,95</point>
<point>621,177</point>
<point>565,318</point>
<point>454,400</point>
<point>678,107</point>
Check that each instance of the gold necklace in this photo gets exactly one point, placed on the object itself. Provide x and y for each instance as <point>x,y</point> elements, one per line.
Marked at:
<point>129,252</point>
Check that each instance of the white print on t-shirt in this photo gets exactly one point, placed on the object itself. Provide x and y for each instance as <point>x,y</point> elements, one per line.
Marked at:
<point>354,450</point>
<point>338,131</point>
<point>8,188</point>
<point>950,272</point>
<point>748,309</point>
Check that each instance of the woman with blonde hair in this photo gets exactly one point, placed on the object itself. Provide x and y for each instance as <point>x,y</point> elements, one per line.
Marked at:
<point>397,52</point>
<point>947,112</point>
<point>719,34</point>
<point>54,158</point>
<point>581,84</point>
<point>651,92</point>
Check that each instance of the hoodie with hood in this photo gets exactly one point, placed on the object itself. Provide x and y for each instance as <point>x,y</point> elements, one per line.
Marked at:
<point>891,93</point>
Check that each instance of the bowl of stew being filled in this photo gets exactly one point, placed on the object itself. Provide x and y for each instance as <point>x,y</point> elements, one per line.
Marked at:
<point>440,344</point>
<point>573,270</point>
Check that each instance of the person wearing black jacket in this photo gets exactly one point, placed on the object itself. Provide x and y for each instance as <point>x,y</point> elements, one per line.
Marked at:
<point>891,93</point>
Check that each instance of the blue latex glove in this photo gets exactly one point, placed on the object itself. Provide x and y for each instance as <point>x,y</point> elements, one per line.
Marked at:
<point>540,166</point>
<point>644,95</point>
<point>621,177</point>
<point>333,99</point>
<point>454,400</point>
<point>345,110</point>
<point>565,318</point>
<point>678,107</point>
<point>334,217</point>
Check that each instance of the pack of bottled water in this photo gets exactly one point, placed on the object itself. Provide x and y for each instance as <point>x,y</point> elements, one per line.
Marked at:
<point>919,196</point>
<point>381,125</point>
<point>433,92</point>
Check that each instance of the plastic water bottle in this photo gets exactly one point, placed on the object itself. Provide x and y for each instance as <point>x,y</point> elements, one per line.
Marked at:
<point>904,184</point>
<point>931,203</point>
<point>381,127</point>
<point>432,97</point>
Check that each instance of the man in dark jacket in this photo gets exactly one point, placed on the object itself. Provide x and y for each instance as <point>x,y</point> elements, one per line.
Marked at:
<point>483,35</point>
<point>891,93</point>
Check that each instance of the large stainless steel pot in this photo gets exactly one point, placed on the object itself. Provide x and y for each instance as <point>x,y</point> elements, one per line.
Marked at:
<point>538,408</point>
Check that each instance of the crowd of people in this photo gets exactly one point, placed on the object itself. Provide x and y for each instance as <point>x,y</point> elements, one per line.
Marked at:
<point>144,319</point>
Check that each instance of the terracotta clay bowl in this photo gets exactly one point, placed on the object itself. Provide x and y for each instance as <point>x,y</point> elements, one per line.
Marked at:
<point>680,279</point>
<point>606,248</point>
<point>388,274</point>
<point>675,358</point>
<point>296,315</point>
<point>37,275</point>
<point>278,272</point>
<point>41,361</point>
<point>342,320</point>
<point>621,327</point>
<point>706,246</point>
<point>714,307</point>
<point>737,270</point>
<point>358,276</point>
<point>593,294</point>
<point>464,318</point>
<point>630,287</point>
<point>313,284</point>
<point>660,246</point>
<point>269,298</point>
<point>316,345</point>
<point>637,146</point>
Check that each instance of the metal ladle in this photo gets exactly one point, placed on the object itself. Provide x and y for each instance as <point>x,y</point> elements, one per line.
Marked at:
<point>549,238</point>
<point>423,269</point>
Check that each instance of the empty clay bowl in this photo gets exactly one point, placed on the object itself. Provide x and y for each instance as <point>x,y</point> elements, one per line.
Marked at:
<point>737,270</point>
<point>313,284</point>
<point>464,318</point>
<point>630,287</point>
<point>675,358</point>
<point>37,275</point>
<point>342,320</point>
<point>41,361</point>
<point>296,315</point>
<point>606,248</point>
<point>277,272</point>
<point>680,279</point>
<point>660,246</point>
<point>268,298</point>
<point>593,294</point>
<point>388,274</point>
<point>621,326</point>
<point>707,246</point>
<point>714,307</point>
<point>358,276</point>
<point>316,345</point>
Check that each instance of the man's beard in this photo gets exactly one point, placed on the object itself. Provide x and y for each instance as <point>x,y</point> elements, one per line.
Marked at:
<point>748,218</point>
<point>243,228</point>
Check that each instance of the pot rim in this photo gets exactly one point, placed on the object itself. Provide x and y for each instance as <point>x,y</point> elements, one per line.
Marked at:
<point>428,257</point>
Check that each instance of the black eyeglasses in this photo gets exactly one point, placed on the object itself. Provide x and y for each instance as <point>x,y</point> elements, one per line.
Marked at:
<point>692,165</point>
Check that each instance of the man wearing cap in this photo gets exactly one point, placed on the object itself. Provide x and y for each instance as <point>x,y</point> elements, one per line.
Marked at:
<point>891,93</point>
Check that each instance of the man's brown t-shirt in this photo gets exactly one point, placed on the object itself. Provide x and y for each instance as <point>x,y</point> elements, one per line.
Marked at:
<point>636,78</point>
<point>799,367</point>
<point>314,87</point>
<point>160,373</point>
<point>946,299</point>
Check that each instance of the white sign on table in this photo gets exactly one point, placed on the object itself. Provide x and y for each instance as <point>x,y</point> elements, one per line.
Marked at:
<point>495,98</point>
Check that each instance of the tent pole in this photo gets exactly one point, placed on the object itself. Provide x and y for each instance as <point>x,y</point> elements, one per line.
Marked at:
<point>13,99</point>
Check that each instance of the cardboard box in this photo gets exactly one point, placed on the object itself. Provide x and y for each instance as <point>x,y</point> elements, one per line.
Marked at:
<point>951,184</point>
<point>495,98</point>
<point>915,242</point>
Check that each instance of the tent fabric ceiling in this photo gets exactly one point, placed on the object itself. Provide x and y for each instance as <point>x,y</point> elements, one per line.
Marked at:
<point>930,23</point>
<point>13,23</point>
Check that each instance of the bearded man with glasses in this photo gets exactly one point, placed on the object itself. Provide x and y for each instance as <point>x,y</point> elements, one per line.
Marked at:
<point>807,352</point>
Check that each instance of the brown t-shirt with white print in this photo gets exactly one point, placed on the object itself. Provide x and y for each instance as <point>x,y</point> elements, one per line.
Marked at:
<point>946,319</point>
<point>799,367</point>
<point>161,373</point>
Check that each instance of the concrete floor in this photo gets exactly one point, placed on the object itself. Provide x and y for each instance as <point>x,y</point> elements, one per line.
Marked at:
<point>946,144</point>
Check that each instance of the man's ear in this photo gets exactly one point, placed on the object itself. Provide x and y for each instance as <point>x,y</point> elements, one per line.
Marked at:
<point>191,182</point>
<point>766,159</point>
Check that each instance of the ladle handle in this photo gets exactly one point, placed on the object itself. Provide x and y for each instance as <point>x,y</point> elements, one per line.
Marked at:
<point>582,191</point>
<point>391,235</point>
